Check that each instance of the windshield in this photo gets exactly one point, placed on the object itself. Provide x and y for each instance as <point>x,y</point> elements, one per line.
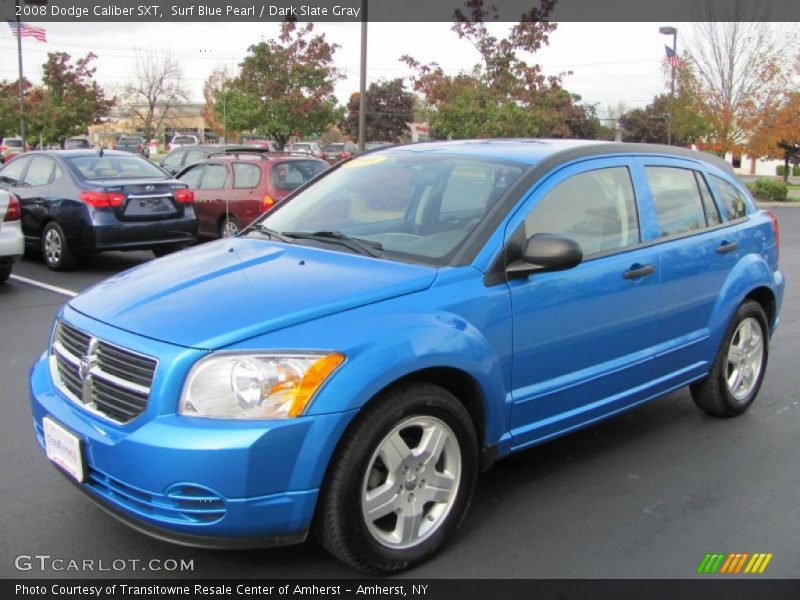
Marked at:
<point>76,144</point>
<point>13,143</point>
<point>416,207</point>
<point>109,166</point>
<point>184,139</point>
<point>334,148</point>
<point>130,140</point>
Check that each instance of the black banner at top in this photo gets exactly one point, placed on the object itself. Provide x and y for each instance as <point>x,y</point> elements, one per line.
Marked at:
<point>393,10</point>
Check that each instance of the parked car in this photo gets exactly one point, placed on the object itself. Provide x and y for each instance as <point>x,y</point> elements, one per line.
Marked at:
<point>133,143</point>
<point>180,158</point>
<point>339,151</point>
<point>77,202</point>
<point>352,361</point>
<point>179,141</point>
<point>267,145</point>
<point>232,190</point>
<point>11,147</point>
<point>76,143</point>
<point>311,149</point>
<point>12,242</point>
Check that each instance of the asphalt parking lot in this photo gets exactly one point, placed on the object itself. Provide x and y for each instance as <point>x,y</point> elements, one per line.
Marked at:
<point>646,494</point>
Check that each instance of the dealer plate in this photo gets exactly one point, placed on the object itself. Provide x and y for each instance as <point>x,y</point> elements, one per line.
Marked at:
<point>64,448</point>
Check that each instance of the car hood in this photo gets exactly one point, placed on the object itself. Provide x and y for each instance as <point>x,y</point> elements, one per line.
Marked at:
<point>227,291</point>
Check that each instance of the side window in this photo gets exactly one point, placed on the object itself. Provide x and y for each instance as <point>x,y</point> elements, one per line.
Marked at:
<point>597,209</point>
<point>11,173</point>
<point>677,200</point>
<point>192,176</point>
<point>40,172</point>
<point>174,160</point>
<point>732,199</point>
<point>246,176</point>
<point>709,206</point>
<point>214,178</point>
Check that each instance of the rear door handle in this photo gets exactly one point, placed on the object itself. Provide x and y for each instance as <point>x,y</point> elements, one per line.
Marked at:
<point>724,247</point>
<point>638,271</point>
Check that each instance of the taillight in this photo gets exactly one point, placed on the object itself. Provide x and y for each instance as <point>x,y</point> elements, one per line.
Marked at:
<point>14,212</point>
<point>775,231</point>
<point>267,202</point>
<point>184,195</point>
<point>102,199</point>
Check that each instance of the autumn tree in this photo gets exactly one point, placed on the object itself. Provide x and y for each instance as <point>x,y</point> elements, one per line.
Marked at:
<point>390,107</point>
<point>285,86</point>
<point>9,105</point>
<point>504,95</point>
<point>156,88</point>
<point>741,69</point>
<point>68,101</point>
<point>213,88</point>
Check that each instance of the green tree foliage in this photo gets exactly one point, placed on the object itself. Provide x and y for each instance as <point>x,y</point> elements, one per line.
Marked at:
<point>284,86</point>
<point>68,101</point>
<point>389,108</point>
<point>9,106</point>
<point>504,96</point>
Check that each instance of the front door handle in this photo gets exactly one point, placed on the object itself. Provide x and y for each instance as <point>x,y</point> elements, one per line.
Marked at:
<point>726,247</point>
<point>637,271</point>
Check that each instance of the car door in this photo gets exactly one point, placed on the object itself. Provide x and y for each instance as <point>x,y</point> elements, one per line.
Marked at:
<point>582,337</point>
<point>246,197</point>
<point>33,192</point>
<point>697,251</point>
<point>211,193</point>
<point>191,177</point>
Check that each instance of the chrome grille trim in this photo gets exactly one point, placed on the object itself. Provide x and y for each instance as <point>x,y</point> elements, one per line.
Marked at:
<point>103,378</point>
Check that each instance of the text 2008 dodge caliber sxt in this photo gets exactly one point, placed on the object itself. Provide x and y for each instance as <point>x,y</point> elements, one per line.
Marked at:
<point>351,361</point>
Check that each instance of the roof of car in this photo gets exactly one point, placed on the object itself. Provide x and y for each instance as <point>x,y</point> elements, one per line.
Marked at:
<point>75,152</point>
<point>534,151</point>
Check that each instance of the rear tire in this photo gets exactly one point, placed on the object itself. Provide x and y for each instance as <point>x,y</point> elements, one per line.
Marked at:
<point>401,480</point>
<point>5,272</point>
<point>739,366</point>
<point>55,251</point>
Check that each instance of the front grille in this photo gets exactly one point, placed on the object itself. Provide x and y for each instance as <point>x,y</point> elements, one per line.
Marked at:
<point>105,378</point>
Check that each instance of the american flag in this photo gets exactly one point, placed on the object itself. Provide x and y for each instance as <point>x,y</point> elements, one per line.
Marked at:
<point>25,30</point>
<point>673,58</point>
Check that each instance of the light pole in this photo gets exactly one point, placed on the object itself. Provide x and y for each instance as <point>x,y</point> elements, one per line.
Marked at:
<point>673,31</point>
<point>362,98</point>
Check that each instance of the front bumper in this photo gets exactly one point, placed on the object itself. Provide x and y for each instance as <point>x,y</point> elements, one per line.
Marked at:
<point>200,482</point>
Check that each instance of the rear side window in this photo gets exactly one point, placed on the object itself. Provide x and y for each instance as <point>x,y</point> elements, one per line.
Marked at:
<point>246,176</point>
<point>291,175</point>
<point>40,172</point>
<point>214,178</point>
<point>710,207</point>
<point>597,209</point>
<point>677,199</point>
<point>732,199</point>
<point>11,173</point>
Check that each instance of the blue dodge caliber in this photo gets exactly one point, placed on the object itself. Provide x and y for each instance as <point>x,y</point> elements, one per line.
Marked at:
<point>352,361</point>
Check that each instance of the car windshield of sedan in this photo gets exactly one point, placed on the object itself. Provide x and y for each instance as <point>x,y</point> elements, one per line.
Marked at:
<point>409,206</point>
<point>95,166</point>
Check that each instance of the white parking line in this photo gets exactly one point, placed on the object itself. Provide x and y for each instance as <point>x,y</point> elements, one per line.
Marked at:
<point>45,286</point>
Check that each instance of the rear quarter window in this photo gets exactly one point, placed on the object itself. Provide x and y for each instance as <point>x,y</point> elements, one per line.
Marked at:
<point>733,201</point>
<point>291,175</point>
<point>246,176</point>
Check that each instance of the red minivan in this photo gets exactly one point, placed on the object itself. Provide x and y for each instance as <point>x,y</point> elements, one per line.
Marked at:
<point>230,191</point>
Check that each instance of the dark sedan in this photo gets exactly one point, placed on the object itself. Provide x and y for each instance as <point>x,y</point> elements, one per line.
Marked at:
<point>76,202</point>
<point>133,143</point>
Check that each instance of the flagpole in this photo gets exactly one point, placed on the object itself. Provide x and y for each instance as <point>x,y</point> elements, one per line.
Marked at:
<point>21,94</point>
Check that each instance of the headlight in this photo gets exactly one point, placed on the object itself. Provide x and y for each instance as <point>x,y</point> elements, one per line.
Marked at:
<point>255,386</point>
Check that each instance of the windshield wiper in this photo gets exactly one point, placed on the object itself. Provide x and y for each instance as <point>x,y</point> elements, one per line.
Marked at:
<point>276,235</point>
<point>359,245</point>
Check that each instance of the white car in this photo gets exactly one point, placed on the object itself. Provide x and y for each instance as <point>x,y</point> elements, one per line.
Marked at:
<point>182,140</point>
<point>12,242</point>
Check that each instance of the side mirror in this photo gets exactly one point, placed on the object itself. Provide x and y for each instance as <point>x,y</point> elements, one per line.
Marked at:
<point>546,252</point>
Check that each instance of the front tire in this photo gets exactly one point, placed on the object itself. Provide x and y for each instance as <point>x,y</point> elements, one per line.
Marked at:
<point>55,251</point>
<point>739,366</point>
<point>401,480</point>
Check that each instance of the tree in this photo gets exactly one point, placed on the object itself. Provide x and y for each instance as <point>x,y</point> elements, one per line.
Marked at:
<point>648,124</point>
<point>741,68</point>
<point>504,95</point>
<point>9,105</point>
<point>389,108</point>
<point>157,87</point>
<point>285,86</point>
<point>68,101</point>
<point>214,87</point>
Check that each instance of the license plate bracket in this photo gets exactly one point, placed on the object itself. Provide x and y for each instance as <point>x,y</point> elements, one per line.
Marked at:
<point>65,449</point>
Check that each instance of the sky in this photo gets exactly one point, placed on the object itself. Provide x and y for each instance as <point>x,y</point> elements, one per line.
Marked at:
<point>610,62</point>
